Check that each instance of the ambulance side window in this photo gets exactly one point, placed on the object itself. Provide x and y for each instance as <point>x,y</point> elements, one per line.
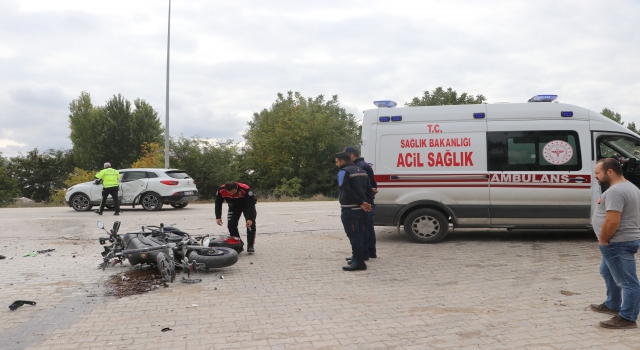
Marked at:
<point>533,151</point>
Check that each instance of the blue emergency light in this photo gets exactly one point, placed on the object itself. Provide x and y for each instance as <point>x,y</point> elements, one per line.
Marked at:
<point>478,115</point>
<point>543,98</point>
<point>384,119</point>
<point>396,118</point>
<point>385,104</point>
<point>566,114</point>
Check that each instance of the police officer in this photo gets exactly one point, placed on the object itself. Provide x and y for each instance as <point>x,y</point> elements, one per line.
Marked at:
<point>110,186</point>
<point>369,237</point>
<point>355,194</point>
<point>242,201</point>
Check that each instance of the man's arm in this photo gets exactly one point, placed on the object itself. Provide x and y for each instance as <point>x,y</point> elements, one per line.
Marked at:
<point>100,174</point>
<point>218,209</point>
<point>610,226</point>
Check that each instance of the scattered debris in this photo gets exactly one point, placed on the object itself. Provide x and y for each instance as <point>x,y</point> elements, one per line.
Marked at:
<point>2,257</point>
<point>45,251</point>
<point>251,262</point>
<point>134,282</point>
<point>16,304</point>
<point>568,293</point>
<point>166,329</point>
<point>191,280</point>
<point>30,254</point>
<point>193,305</point>
<point>221,277</point>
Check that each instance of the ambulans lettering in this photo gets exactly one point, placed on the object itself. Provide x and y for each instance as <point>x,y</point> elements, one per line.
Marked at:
<point>533,178</point>
<point>450,142</point>
<point>413,143</point>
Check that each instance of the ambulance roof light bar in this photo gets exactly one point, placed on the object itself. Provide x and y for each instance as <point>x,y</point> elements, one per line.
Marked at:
<point>385,104</point>
<point>543,98</point>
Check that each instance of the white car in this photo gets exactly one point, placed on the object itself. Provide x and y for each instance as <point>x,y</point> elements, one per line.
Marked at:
<point>150,188</point>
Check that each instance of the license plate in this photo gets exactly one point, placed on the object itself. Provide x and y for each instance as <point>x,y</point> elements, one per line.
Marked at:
<point>188,193</point>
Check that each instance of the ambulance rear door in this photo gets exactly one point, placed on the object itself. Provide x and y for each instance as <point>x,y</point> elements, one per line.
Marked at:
<point>539,163</point>
<point>433,156</point>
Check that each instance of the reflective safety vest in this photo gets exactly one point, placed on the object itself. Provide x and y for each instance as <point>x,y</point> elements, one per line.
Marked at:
<point>109,177</point>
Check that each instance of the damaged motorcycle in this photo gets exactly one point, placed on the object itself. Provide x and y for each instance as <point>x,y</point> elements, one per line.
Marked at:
<point>164,249</point>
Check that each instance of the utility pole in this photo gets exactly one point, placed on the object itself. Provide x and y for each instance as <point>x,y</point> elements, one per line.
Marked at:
<point>166,123</point>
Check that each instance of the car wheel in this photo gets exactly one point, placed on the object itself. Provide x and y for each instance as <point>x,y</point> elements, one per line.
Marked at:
<point>81,202</point>
<point>426,226</point>
<point>151,202</point>
<point>179,205</point>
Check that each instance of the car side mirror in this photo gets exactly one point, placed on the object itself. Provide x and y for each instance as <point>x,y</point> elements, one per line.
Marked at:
<point>100,225</point>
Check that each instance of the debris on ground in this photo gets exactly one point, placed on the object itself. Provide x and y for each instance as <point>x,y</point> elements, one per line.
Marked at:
<point>191,280</point>
<point>30,254</point>
<point>134,282</point>
<point>16,304</point>
<point>221,277</point>
<point>166,329</point>
<point>568,293</point>
<point>45,251</point>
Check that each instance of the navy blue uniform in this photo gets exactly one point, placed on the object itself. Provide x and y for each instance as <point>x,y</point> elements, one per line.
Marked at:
<point>355,189</point>
<point>369,236</point>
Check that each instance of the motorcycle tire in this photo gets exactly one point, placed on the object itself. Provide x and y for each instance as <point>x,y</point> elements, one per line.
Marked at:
<point>223,257</point>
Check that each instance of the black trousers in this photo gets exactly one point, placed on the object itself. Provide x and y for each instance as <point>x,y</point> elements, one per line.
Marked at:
<point>233,216</point>
<point>113,191</point>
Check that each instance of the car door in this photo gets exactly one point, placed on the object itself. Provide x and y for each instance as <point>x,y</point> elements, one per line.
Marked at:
<point>133,183</point>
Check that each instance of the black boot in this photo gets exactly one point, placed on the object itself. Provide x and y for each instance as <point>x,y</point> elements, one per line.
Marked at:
<point>97,212</point>
<point>355,267</point>
<point>250,249</point>
<point>351,258</point>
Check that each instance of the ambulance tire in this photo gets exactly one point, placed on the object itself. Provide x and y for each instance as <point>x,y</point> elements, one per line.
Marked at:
<point>426,226</point>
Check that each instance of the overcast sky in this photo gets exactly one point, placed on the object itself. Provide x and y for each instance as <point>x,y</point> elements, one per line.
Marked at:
<point>229,59</point>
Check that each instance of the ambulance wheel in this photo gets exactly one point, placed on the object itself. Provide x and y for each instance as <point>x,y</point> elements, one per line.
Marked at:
<point>426,226</point>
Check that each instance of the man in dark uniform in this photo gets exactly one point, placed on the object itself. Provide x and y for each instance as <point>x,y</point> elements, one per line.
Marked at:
<point>355,194</point>
<point>369,237</point>
<point>242,201</point>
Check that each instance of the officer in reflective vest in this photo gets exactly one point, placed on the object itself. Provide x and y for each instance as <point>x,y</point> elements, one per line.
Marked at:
<point>110,186</point>
<point>241,201</point>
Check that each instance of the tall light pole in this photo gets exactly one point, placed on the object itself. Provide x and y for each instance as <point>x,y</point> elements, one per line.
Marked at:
<point>166,123</point>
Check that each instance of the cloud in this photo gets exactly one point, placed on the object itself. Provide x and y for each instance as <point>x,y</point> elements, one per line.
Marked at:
<point>230,59</point>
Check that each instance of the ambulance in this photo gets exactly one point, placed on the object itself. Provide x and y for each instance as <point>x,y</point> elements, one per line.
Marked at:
<point>505,165</point>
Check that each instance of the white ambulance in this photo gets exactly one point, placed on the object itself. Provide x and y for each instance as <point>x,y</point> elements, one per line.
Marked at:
<point>509,165</point>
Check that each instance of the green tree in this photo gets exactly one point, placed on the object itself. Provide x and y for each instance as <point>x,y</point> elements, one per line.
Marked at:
<point>209,163</point>
<point>8,184</point>
<point>83,122</point>
<point>38,174</point>
<point>617,117</point>
<point>295,140</point>
<point>440,97</point>
<point>114,132</point>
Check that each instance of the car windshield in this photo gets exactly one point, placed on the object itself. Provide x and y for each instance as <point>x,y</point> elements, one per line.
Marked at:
<point>178,174</point>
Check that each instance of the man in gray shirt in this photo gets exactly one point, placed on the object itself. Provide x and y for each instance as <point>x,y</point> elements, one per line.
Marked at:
<point>616,222</point>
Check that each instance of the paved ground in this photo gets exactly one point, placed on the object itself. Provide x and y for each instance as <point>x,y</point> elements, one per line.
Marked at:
<point>475,290</point>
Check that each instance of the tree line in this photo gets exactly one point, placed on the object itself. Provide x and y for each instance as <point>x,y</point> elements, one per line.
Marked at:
<point>287,149</point>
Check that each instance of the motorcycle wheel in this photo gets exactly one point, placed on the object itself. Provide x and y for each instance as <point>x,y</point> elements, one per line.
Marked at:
<point>222,257</point>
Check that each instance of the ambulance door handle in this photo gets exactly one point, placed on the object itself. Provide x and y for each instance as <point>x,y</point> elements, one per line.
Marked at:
<point>395,177</point>
<point>579,179</point>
